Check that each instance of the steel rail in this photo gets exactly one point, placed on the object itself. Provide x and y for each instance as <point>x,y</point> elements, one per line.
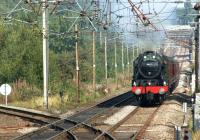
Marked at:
<point>114,127</point>
<point>72,121</point>
<point>87,122</point>
<point>138,135</point>
<point>141,132</point>
<point>33,116</point>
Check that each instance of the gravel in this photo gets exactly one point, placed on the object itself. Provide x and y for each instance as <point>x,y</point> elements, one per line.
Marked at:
<point>12,126</point>
<point>162,127</point>
<point>120,115</point>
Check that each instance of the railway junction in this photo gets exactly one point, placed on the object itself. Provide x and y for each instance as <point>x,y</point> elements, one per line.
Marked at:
<point>99,70</point>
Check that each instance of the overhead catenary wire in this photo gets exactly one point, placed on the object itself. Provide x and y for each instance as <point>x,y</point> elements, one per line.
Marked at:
<point>117,22</point>
<point>120,2</point>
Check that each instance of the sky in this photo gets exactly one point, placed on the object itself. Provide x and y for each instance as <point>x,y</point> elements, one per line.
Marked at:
<point>160,14</point>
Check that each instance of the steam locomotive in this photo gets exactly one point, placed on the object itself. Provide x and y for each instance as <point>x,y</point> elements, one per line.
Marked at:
<point>154,77</point>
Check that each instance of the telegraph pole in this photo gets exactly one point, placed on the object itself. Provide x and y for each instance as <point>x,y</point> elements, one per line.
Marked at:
<point>94,61</point>
<point>195,114</point>
<point>123,58</point>
<point>197,8</point>
<point>45,28</point>
<point>128,63</point>
<point>106,63</point>
<point>110,11</point>
<point>45,37</point>
<point>133,53</point>
<point>100,34</point>
<point>77,65</point>
<point>138,50</point>
<point>116,78</point>
<point>197,54</point>
<point>133,61</point>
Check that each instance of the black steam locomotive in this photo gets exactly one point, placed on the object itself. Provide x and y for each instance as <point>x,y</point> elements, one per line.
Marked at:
<point>154,76</point>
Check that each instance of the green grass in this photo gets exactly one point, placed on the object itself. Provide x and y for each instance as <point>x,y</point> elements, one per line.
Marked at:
<point>32,97</point>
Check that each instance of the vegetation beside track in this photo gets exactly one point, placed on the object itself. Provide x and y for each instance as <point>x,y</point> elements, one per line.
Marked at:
<point>21,62</point>
<point>21,59</point>
<point>21,67</point>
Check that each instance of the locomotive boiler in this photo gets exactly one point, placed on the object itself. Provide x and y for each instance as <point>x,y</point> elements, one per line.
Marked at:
<point>154,76</point>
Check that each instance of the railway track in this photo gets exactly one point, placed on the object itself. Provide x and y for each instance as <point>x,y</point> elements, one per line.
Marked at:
<point>133,126</point>
<point>138,124</point>
<point>75,127</point>
<point>29,115</point>
<point>90,123</point>
<point>91,131</point>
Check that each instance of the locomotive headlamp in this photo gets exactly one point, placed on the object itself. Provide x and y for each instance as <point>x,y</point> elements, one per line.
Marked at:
<point>149,83</point>
<point>145,57</point>
<point>138,91</point>
<point>161,91</point>
<point>154,57</point>
<point>164,83</point>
